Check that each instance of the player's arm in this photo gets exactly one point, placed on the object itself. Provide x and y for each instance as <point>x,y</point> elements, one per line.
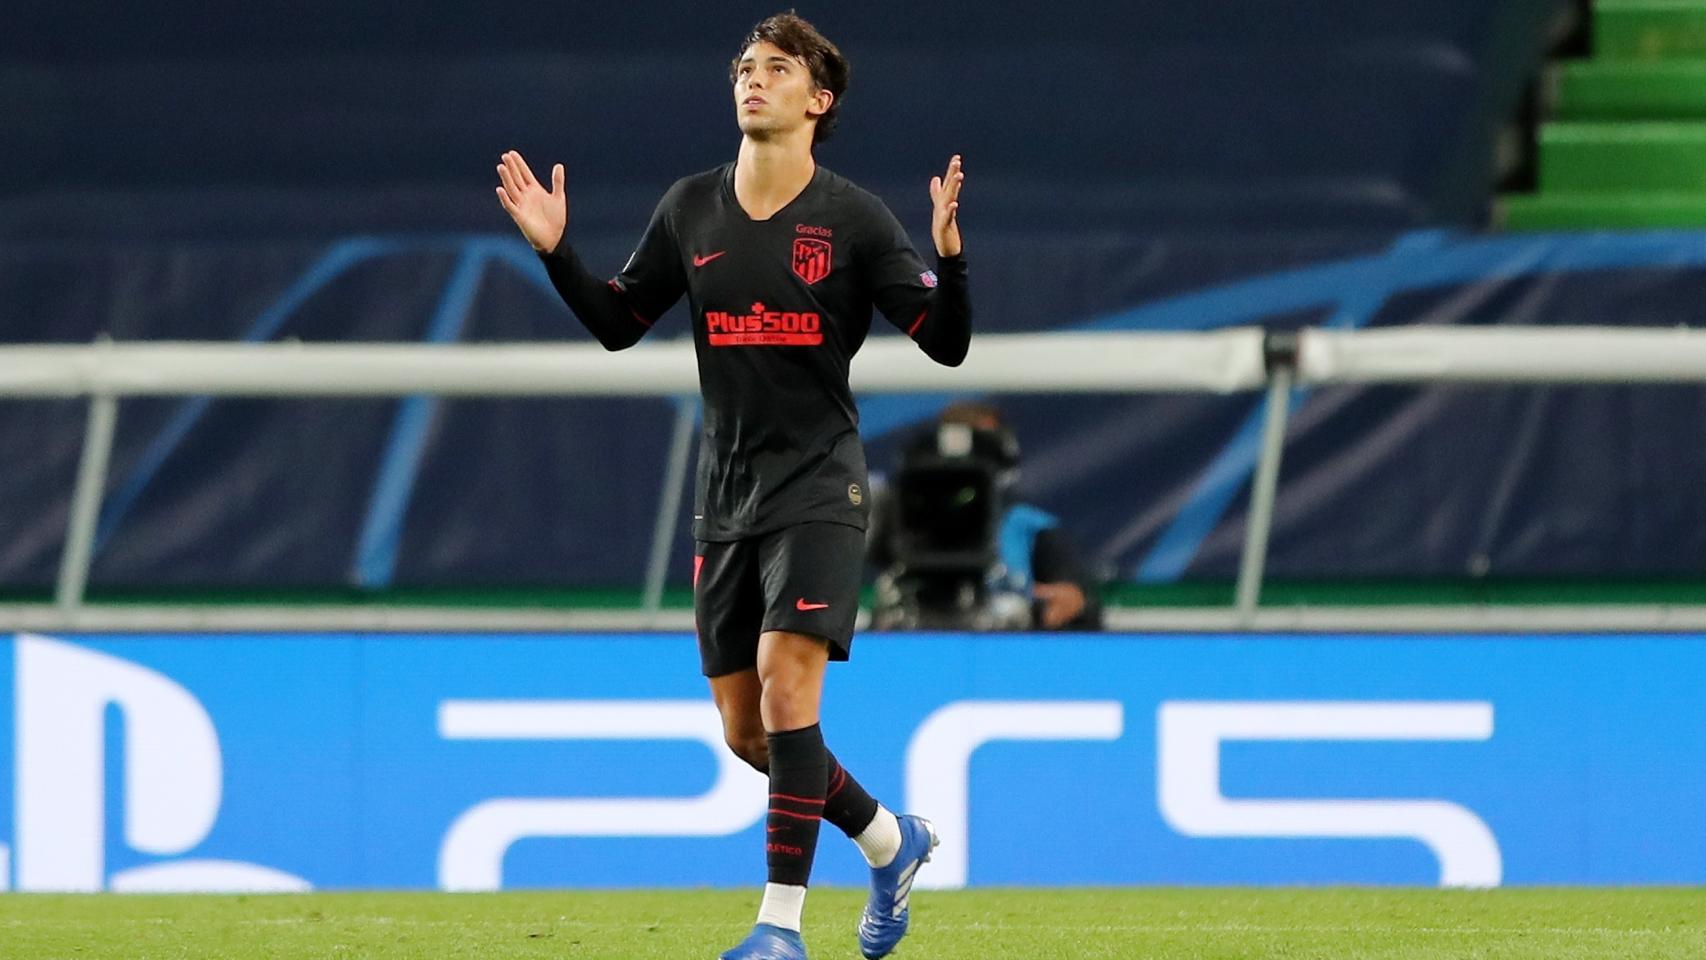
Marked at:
<point>932,307</point>
<point>619,311</point>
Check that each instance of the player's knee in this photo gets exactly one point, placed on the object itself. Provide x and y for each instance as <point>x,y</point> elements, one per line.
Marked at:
<point>789,706</point>
<point>752,748</point>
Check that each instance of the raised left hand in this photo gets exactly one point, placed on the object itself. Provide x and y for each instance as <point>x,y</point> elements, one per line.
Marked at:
<point>945,203</point>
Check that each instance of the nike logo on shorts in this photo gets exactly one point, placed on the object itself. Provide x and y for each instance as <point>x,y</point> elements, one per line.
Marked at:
<point>699,261</point>
<point>801,604</point>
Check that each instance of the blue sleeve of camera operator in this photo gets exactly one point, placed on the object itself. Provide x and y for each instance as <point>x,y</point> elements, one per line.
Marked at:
<point>1020,528</point>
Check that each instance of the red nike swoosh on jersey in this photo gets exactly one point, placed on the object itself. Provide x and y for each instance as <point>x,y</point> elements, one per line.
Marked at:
<point>801,604</point>
<point>699,261</point>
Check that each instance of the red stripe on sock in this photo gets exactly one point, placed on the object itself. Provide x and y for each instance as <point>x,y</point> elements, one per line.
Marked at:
<point>783,796</point>
<point>840,781</point>
<point>796,816</point>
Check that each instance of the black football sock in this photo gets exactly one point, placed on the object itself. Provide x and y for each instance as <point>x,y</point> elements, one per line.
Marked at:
<point>798,781</point>
<point>846,804</point>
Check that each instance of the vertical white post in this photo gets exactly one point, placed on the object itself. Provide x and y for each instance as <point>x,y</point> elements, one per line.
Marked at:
<point>86,503</point>
<point>669,505</point>
<point>1262,494</point>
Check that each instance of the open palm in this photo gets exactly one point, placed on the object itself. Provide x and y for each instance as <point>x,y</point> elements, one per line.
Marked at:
<point>540,213</point>
<point>945,208</point>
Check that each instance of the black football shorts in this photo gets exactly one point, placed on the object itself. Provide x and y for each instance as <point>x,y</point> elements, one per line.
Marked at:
<point>803,579</point>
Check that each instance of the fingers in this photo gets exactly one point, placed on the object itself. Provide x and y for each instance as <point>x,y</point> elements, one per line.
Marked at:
<point>945,189</point>
<point>508,204</point>
<point>952,180</point>
<point>518,166</point>
<point>507,175</point>
<point>509,171</point>
<point>557,179</point>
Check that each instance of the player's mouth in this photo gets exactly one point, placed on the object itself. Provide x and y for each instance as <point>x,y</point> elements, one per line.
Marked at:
<point>753,102</point>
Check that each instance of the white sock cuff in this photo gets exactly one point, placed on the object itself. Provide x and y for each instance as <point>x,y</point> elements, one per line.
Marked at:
<point>783,906</point>
<point>880,842</point>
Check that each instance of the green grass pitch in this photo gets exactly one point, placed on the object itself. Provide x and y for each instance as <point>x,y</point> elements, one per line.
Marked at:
<point>1366,924</point>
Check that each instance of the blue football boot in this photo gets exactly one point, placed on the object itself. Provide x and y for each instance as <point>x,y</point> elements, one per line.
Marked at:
<point>886,912</point>
<point>767,942</point>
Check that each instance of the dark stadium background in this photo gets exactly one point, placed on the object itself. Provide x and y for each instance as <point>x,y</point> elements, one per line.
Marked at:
<point>321,171</point>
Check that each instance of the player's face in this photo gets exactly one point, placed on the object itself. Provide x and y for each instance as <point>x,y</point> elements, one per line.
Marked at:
<point>774,93</point>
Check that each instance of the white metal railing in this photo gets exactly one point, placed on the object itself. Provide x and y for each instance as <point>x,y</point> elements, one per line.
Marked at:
<point>1067,363</point>
<point>1241,359</point>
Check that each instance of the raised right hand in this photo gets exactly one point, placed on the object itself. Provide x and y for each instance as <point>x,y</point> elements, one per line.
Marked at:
<point>540,213</point>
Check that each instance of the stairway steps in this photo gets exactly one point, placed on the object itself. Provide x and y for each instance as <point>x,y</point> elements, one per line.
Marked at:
<point>1649,29</point>
<point>1601,211</point>
<point>1596,90</point>
<point>1661,156</point>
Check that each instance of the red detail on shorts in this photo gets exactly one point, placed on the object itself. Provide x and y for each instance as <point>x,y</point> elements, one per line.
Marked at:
<point>796,816</point>
<point>783,796</point>
<point>698,563</point>
<point>801,605</point>
<point>919,322</point>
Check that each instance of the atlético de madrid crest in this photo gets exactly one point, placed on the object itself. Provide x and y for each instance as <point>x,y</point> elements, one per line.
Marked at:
<point>811,259</point>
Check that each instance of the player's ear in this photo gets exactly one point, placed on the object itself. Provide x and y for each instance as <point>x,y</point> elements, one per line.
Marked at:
<point>821,101</point>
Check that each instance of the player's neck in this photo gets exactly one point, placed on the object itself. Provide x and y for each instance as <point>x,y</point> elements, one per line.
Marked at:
<point>770,173</point>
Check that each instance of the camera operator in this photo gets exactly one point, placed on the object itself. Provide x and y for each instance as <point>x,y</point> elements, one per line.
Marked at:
<point>954,547</point>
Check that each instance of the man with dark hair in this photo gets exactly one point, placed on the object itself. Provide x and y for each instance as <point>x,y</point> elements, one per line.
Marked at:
<point>782,262</point>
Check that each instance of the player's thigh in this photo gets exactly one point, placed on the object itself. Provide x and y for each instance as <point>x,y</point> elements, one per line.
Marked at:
<point>811,574</point>
<point>728,605</point>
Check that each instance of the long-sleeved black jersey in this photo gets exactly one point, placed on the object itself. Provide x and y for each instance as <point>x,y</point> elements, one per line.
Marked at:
<point>779,307</point>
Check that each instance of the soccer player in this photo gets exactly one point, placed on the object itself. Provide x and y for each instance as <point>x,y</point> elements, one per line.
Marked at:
<point>781,261</point>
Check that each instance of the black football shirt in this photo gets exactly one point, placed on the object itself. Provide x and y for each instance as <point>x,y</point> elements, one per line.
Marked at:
<point>779,307</point>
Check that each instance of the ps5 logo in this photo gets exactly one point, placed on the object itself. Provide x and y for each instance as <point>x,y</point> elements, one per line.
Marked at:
<point>172,778</point>
<point>70,702</point>
<point>1189,735</point>
<point>939,775</point>
<point>472,855</point>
